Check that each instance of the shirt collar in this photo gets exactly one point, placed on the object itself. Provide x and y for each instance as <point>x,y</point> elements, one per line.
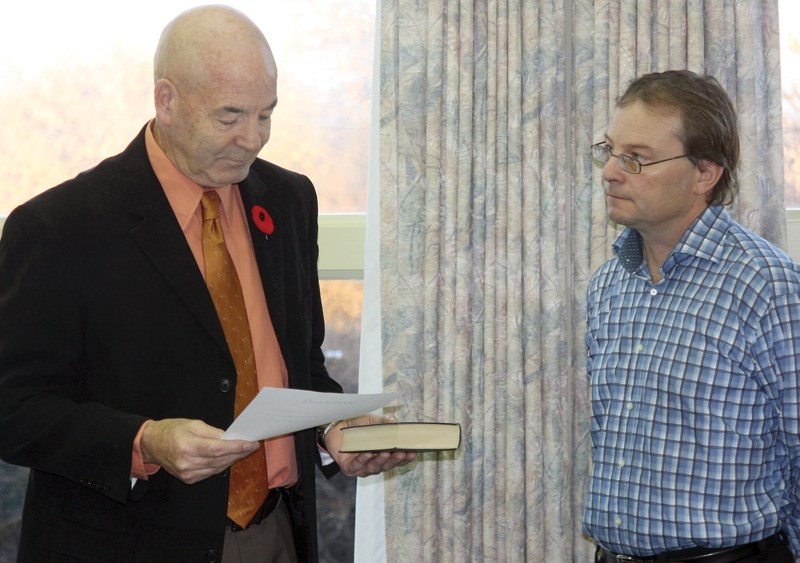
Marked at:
<point>183,193</point>
<point>702,240</point>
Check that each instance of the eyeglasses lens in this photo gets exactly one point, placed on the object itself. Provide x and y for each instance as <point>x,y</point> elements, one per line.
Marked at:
<point>601,154</point>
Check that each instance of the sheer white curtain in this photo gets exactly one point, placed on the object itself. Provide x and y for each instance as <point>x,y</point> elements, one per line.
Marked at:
<point>370,539</point>
<point>491,220</point>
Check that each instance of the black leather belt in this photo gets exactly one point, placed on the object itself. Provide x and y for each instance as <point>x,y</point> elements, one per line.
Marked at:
<point>269,506</point>
<point>698,554</point>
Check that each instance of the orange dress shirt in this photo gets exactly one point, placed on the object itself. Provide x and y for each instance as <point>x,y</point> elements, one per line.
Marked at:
<point>184,198</point>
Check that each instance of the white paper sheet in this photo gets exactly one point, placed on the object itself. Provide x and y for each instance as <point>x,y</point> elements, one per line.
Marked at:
<point>275,411</point>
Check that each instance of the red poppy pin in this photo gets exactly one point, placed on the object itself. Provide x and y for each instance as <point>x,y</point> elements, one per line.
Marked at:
<point>263,220</point>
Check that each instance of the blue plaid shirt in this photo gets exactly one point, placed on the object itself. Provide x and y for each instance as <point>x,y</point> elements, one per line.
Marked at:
<point>695,393</point>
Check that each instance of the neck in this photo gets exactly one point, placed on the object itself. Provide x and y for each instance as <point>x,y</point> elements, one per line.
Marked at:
<point>654,261</point>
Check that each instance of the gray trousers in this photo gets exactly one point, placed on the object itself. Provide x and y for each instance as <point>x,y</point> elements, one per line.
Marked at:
<point>270,541</point>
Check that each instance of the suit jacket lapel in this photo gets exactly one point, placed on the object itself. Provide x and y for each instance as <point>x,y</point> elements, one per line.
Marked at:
<point>157,233</point>
<point>164,245</point>
<point>269,249</point>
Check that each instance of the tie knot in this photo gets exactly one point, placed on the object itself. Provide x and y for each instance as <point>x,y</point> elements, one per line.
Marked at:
<point>209,203</point>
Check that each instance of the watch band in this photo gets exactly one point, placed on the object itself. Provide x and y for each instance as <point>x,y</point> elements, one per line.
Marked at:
<point>322,433</point>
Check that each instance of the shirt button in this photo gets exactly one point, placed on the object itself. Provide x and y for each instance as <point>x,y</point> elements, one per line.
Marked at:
<point>653,291</point>
<point>618,521</point>
<point>629,406</point>
<point>225,385</point>
<point>621,463</point>
<point>640,347</point>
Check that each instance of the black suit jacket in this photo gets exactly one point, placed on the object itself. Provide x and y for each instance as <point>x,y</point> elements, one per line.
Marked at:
<point>105,321</point>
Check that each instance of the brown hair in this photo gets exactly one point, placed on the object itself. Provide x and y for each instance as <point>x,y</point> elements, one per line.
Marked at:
<point>710,130</point>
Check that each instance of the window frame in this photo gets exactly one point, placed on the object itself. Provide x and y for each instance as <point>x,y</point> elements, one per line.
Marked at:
<point>341,246</point>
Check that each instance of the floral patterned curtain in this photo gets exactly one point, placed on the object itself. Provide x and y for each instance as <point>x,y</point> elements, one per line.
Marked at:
<point>492,220</point>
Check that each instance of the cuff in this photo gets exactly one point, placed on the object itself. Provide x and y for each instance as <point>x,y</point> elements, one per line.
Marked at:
<point>140,469</point>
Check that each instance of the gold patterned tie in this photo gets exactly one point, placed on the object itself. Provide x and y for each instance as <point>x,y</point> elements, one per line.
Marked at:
<point>248,486</point>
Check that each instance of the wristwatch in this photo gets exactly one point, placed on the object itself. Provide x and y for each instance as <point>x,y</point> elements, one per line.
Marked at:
<point>322,433</point>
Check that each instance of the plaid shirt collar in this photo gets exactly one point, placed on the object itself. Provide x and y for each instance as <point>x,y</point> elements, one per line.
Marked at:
<point>703,239</point>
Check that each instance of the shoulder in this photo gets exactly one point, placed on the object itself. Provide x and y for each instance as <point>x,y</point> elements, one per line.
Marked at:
<point>754,260</point>
<point>271,173</point>
<point>606,274</point>
<point>271,185</point>
<point>100,195</point>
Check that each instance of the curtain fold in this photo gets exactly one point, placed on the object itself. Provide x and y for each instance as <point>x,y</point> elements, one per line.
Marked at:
<point>492,221</point>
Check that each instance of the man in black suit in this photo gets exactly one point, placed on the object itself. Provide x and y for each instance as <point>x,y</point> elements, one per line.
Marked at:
<point>115,374</point>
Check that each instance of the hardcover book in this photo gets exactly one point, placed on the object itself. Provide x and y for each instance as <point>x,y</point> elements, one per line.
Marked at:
<point>402,436</point>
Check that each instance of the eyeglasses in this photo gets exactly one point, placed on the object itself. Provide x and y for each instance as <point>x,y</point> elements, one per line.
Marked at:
<point>601,154</point>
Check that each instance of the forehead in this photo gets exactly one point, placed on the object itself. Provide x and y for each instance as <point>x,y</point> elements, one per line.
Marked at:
<point>244,91</point>
<point>640,125</point>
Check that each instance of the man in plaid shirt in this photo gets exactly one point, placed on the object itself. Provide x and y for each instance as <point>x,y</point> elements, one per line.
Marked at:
<point>693,342</point>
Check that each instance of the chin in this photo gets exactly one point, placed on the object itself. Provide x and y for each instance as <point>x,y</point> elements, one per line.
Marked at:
<point>614,213</point>
<point>229,177</point>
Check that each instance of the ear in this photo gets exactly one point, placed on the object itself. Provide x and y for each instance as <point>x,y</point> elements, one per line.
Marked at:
<point>165,95</point>
<point>708,174</point>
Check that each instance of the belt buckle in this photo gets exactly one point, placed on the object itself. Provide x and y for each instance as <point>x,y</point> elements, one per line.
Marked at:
<point>628,559</point>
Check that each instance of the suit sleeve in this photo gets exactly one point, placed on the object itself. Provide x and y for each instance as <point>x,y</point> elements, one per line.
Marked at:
<point>49,423</point>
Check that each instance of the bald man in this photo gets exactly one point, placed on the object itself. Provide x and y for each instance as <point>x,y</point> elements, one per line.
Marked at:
<point>116,376</point>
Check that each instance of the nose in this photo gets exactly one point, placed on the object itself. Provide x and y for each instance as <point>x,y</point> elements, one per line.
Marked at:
<point>612,170</point>
<point>253,135</point>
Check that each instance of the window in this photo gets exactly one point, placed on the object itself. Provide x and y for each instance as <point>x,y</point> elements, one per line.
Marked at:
<point>83,93</point>
<point>790,86</point>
